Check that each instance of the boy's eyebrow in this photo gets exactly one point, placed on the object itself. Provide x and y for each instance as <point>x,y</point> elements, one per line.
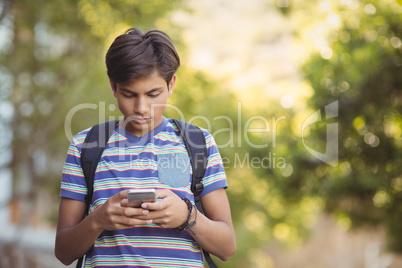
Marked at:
<point>132,92</point>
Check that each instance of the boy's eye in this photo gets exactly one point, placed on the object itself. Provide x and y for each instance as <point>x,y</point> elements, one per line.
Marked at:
<point>127,96</point>
<point>154,95</point>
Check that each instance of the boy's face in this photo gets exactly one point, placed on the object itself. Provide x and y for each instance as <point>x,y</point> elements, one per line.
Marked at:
<point>142,102</point>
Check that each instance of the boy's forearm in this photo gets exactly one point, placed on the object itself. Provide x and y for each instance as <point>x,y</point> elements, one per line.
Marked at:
<point>74,242</point>
<point>216,237</point>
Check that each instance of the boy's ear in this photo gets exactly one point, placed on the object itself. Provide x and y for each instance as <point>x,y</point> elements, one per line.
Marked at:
<point>172,83</point>
<point>113,87</point>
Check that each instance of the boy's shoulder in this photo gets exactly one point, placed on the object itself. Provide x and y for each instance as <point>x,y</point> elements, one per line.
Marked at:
<point>79,138</point>
<point>171,124</point>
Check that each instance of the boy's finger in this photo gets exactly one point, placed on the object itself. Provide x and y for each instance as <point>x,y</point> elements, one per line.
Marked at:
<point>152,205</point>
<point>119,196</point>
<point>163,193</point>
<point>133,212</point>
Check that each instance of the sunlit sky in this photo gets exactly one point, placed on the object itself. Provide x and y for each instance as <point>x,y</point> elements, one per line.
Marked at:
<point>250,44</point>
<point>253,46</point>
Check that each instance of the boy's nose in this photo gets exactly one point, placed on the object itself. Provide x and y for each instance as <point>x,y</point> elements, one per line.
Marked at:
<point>141,106</point>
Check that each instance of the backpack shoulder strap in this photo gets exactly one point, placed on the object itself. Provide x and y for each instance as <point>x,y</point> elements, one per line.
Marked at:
<point>92,149</point>
<point>194,141</point>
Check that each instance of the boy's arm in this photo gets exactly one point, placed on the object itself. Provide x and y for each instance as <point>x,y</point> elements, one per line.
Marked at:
<point>214,231</point>
<point>75,234</point>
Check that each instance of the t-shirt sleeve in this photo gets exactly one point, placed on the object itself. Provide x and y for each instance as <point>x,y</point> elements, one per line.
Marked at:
<point>73,184</point>
<point>215,176</point>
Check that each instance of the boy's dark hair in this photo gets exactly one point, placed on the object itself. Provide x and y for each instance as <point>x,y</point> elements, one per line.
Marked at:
<point>135,55</point>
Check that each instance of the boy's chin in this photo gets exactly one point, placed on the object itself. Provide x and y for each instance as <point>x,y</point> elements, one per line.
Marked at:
<point>139,128</point>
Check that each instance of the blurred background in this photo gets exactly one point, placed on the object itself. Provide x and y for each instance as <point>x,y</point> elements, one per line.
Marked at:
<point>304,99</point>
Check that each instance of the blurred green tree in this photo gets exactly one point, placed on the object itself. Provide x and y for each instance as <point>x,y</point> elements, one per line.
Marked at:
<point>52,62</point>
<point>359,64</point>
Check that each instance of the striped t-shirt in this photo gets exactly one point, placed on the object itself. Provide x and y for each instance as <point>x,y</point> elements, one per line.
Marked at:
<point>157,160</point>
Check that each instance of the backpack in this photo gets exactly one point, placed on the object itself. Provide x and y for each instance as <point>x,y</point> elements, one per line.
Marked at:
<point>194,140</point>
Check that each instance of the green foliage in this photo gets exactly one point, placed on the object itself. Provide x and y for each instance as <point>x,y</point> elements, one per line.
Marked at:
<point>364,75</point>
<point>56,63</point>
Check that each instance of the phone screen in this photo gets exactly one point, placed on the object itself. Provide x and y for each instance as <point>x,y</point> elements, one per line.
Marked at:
<point>137,196</point>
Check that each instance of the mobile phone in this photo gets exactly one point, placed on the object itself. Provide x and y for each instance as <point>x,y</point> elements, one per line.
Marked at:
<point>137,196</point>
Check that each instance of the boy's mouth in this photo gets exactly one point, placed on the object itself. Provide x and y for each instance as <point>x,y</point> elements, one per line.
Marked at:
<point>141,120</point>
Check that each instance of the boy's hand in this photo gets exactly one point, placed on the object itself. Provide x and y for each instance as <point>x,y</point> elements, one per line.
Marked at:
<point>114,214</point>
<point>170,212</point>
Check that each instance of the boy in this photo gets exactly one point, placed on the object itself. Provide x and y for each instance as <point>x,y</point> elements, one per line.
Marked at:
<point>141,69</point>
